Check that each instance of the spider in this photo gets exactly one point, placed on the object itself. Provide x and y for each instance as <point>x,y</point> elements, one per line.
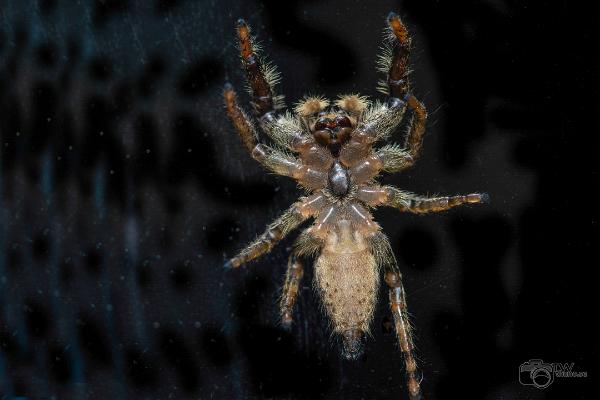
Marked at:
<point>328,148</point>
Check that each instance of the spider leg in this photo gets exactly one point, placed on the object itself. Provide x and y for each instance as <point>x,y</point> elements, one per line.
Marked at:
<point>403,330</point>
<point>294,274</point>
<point>405,201</point>
<point>299,212</point>
<point>395,62</point>
<point>414,138</point>
<point>260,78</point>
<point>397,79</point>
<point>240,120</point>
<point>384,256</point>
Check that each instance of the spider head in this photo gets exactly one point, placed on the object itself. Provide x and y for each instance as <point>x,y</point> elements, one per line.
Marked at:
<point>332,129</point>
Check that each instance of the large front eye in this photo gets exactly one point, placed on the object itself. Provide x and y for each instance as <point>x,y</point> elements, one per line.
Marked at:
<point>343,121</point>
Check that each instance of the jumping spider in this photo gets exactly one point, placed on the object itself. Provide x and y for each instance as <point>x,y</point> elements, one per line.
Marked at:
<point>336,163</point>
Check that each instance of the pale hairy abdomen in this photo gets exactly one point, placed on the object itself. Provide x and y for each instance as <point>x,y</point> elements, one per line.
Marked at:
<point>347,277</point>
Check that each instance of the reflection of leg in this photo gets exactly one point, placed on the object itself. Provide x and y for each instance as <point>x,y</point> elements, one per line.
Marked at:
<point>294,274</point>
<point>403,331</point>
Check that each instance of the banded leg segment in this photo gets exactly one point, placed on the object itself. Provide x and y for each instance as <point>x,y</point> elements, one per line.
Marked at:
<point>403,331</point>
<point>397,80</point>
<point>242,124</point>
<point>259,78</point>
<point>295,272</point>
<point>405,201</point>
<point>414,138</point>
<point>276,231</point>
<point>399,86</point>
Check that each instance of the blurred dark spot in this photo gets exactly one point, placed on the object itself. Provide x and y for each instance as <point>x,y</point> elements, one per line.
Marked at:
<point>418,248</point>
<point>40,247</point>
<point>47,6</point>
<point>37,318</point>
<point>219,234</point>
<point>59,366</point>
<point>66,272</point>
<point>8,342</point>
<point>164,6</point>
<point>141,369</point>
<point>93,339</point>
<point>200,76</point>
<point>145,275</point>
<point>46,55</point>
<point>14,259</point>
<point>181,276</point>
<point>214,343</point>
<point>93,261</point>
<point>100,69</point>
<point>387,325</point>
<point>180,356</point>
<point>149,79</point>
<point>105,9</point>
<point>292,32</point>
<point>146,133</point>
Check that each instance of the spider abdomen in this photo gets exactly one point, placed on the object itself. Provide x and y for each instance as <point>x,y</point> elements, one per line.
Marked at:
<point>347,277</point>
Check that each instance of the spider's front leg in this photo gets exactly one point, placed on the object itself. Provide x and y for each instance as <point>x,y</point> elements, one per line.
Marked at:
<point>260,78</point>
<point>399,88</point>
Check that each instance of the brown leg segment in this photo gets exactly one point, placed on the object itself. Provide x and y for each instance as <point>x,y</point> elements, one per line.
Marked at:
<point>276,231</point>
<point>291,287</point>
<point>403,331</point>
<point>405,201</point>
<point>262,94</point>
<point>398,73</point>
<point>414,138</point>
<point>240,120</point>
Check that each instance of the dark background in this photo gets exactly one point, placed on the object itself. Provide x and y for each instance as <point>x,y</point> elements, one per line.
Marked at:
<point>123,187</point>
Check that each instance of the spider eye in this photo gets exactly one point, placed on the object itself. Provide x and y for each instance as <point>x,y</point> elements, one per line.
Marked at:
<point>321,124</point>
<point>343,121</point>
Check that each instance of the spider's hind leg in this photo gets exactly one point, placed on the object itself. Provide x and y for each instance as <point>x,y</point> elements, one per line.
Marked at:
<point>305,246</point>
<point>403,330</point>
<point>382,250</point>
<point>293,277</point>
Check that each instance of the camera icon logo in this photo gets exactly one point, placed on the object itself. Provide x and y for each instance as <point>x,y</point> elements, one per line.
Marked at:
<point>536,373</point>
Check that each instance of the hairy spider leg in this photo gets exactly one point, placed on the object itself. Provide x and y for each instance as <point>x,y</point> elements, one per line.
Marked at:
<point>376,195</point>
<point>293,277</point>
<point>260,79</point>
<point>397,79</point>
<point>399,87</point>
<point>276,231</point>
<point>242,124</point>
<point>405,201</point>
<point>403,330</point>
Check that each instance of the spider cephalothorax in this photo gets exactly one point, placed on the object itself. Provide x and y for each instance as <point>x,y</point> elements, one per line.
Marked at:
<point>329,148</point>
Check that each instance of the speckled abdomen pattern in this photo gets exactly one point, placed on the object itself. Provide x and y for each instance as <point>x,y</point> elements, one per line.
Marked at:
<point>348,283</point>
